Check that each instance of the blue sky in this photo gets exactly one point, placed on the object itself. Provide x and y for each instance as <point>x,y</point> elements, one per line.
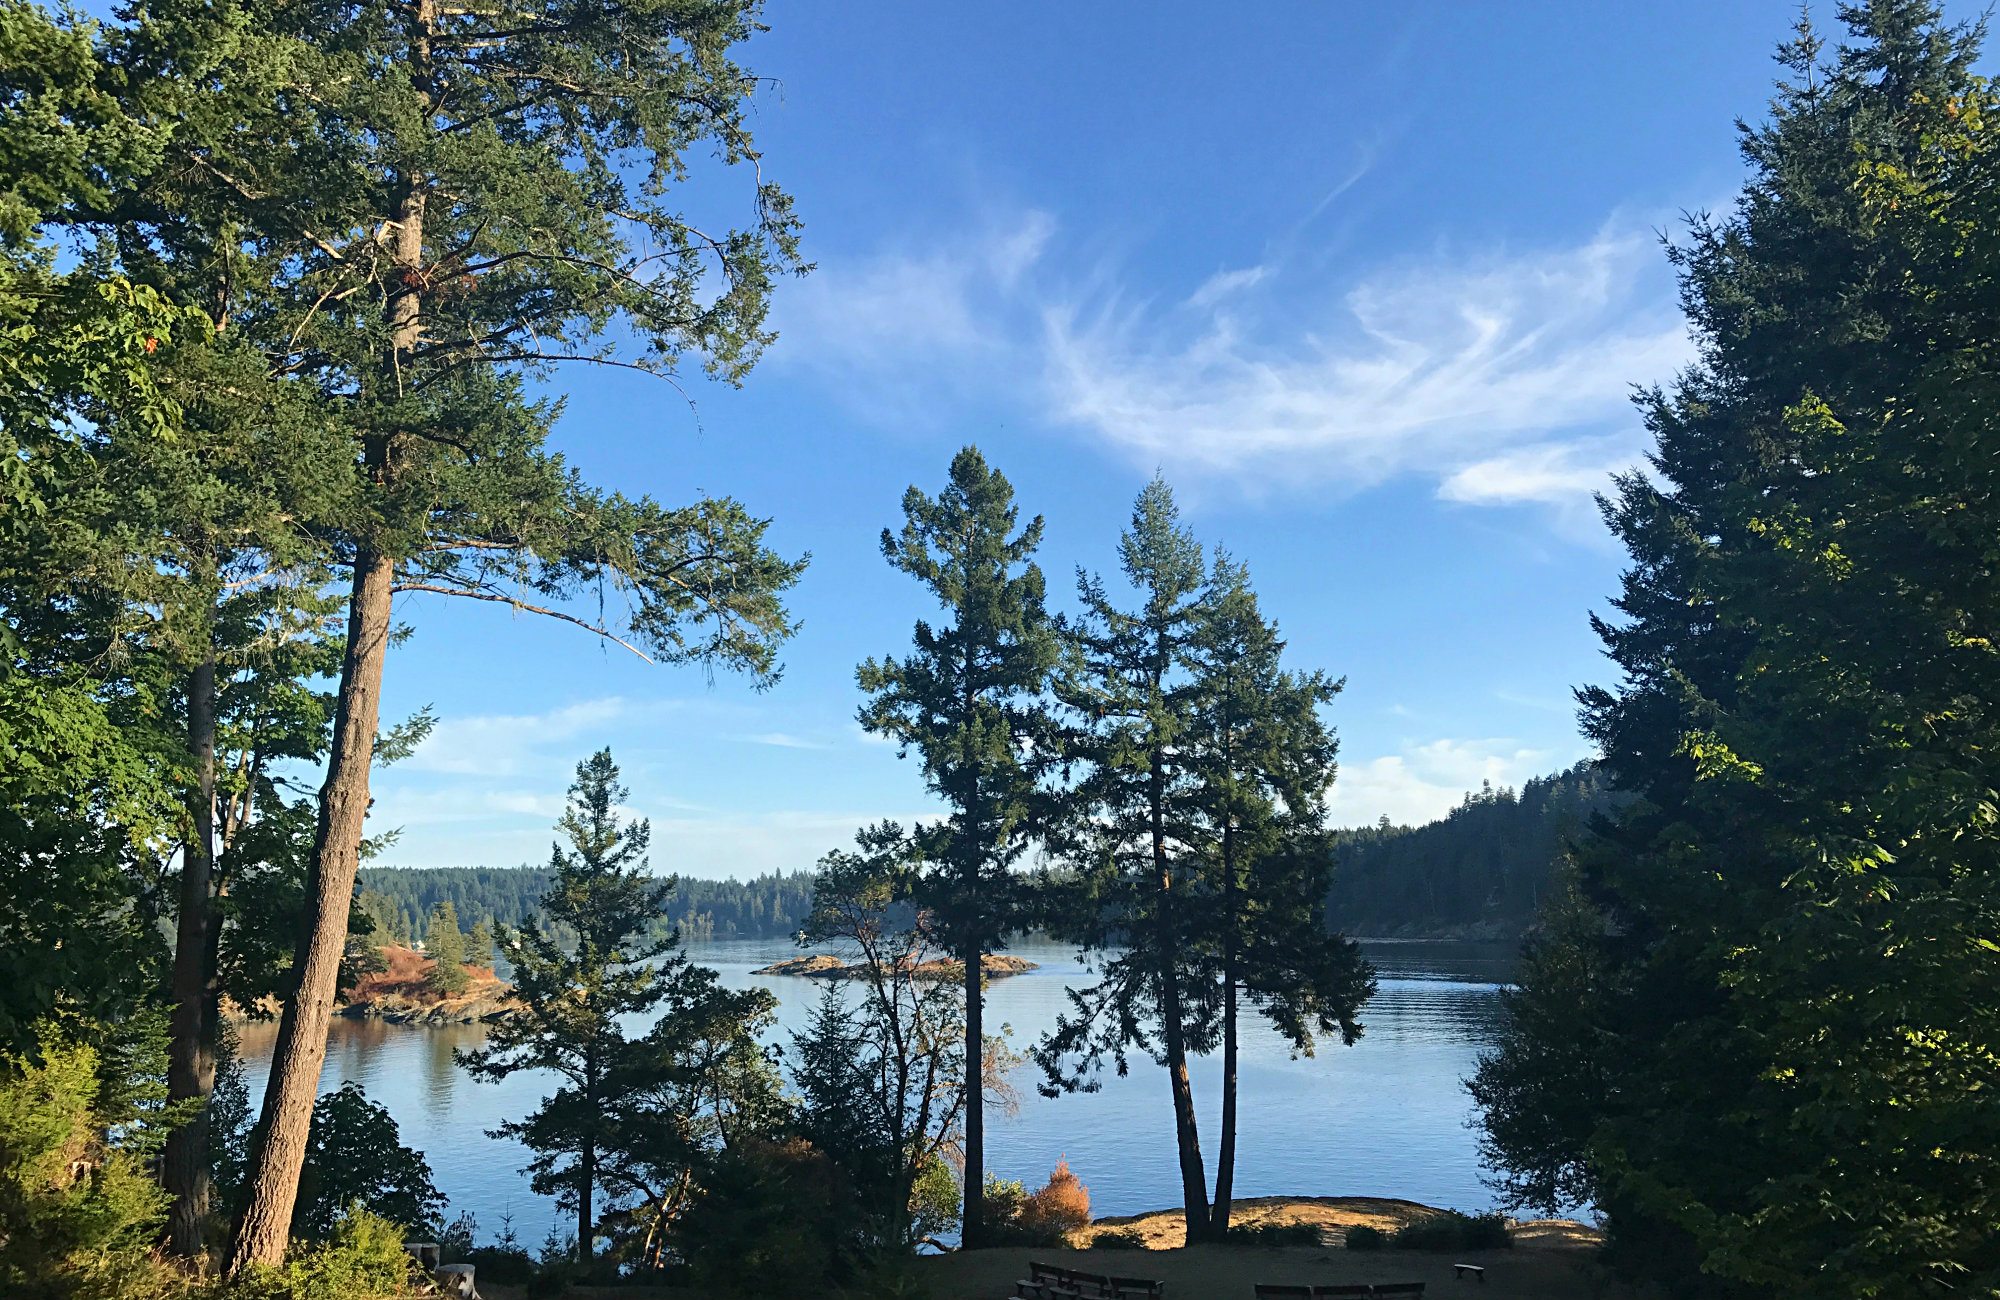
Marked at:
<point>1368,283</point>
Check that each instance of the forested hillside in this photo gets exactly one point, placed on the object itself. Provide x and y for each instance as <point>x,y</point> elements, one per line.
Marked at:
<point>401,898</point>
<point>1479,870</point>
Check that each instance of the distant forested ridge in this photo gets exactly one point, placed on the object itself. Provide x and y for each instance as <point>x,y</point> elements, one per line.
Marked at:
<point>1479,871</point>
<point>401,898</point>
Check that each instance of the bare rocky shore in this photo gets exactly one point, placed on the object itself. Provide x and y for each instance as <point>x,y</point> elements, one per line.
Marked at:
<point>826,967</point>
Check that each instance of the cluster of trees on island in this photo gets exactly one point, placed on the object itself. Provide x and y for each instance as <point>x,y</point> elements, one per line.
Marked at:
<point>273,282</point>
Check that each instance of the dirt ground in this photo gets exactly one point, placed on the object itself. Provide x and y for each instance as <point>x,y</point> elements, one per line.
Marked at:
<point>1232,1272</point>
<point>1552,1259</point>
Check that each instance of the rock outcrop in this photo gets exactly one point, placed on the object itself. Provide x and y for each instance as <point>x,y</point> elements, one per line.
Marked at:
<point>825,967</point>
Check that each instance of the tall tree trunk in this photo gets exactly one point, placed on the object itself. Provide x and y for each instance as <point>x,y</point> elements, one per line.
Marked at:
<point>1225,1154</point>
<point>972,1229</point>
<point>191,1049</point>
<point>301,1048</point>
<point>1187,1135</point>
<point>586,1215</point>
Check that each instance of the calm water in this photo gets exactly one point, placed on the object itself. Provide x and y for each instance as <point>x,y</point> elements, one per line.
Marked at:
<point>1386,1117</point>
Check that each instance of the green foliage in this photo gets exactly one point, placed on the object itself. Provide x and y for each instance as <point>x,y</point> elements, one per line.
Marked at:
<point>1790,1052</point>
<point>880,1068</point>
<point>1362,1236</point>
<point>1543,1087</point>
<point>1270,1235</point>
<point>1450,1230</point>
<point>635,1114</point>
<point>445,943</point>
<point>966,698</point>
<point>355,1158</point>
<point>401,899</point>
<point>776,1217</point>
<point>1118,1239</point>
<point>1486,867</point>
<point>78,1212</point>
<point>362,1258</point>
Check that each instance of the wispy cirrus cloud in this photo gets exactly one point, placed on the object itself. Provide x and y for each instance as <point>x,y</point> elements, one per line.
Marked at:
<point>1502,377</point>
<point>1494,376</point>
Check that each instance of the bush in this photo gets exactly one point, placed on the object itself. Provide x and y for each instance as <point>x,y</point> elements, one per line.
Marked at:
<point>1451,1230</point>
<point>362,1258</point>
<point>78,1215</point>
<point>1014,1217</point>
<point>1060,1208</point>
<point>1274,1234</point>
<point>777,1218</point>
<point>1119,1239</point>
<point>1363,1237</point>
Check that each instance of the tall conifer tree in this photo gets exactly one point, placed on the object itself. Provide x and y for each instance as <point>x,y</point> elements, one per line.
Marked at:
<point>1137,834</point>
<point>1263,761</point>
<point>1794,1031</point>
<point>574,996</point>
<point>969,700</point>
<point>419,208</point>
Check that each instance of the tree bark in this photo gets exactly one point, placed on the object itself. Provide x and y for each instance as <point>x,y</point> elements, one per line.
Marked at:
<point>585,1209</point>
<point>286,1119</point>
<point>972,1229</point>
<point>1225,1155</point>
<point>1187,1136</point>
<point>191,1050</point>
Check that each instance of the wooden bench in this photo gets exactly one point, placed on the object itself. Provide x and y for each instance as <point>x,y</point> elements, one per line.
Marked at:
<point>1475,1271</point>
<point>1291,1291</point>
<point>1053,1282</point>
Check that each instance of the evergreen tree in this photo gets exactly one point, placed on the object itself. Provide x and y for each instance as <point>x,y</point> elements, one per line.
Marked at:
<point>445,943</point>
<point>968,699</point>
<point>1144,905</point>
<point>412,212</point>
<point>1263,762</point>
<point>1794,1037</point>
<point>479,943</point>
<point>573,998</point>
<point>355,1157</point>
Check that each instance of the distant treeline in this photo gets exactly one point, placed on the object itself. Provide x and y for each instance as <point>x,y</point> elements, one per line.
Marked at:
<point>1479,870</point>
<point>401,898</point>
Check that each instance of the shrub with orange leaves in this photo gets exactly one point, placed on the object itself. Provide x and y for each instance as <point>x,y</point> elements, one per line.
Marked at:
<point>1058,1209</point>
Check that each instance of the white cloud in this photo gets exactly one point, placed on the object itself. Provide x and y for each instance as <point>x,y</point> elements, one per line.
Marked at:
<point>1503,377</point>
<point>1425,369</point>
<point>506,744</point>
<point>1224,283</point>
<point>1550,473</point>
<point>782,740</point>
<point>1425,781</point>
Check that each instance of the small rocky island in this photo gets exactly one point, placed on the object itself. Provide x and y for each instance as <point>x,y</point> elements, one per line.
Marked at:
<point>826,967</point>
<point>401,995</point>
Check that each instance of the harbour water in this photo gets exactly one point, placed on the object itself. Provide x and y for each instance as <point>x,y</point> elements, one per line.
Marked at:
<point>1386,1117</point>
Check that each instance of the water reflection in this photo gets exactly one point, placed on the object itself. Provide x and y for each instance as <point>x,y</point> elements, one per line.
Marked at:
<point>1386,1117</point>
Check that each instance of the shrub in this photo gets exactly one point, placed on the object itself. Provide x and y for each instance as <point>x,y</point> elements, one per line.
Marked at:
<point>355,1154</point>
<point>1061,1207</point>
<point>362,1258</point>
<point>1274,1234</point>
<point>777,1218</point>
<point>1363,1237</point>
<point>1044,1218</point>
<point>1451,1230</point>
<point>78,1215</point>
<point>1119,1239</point>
